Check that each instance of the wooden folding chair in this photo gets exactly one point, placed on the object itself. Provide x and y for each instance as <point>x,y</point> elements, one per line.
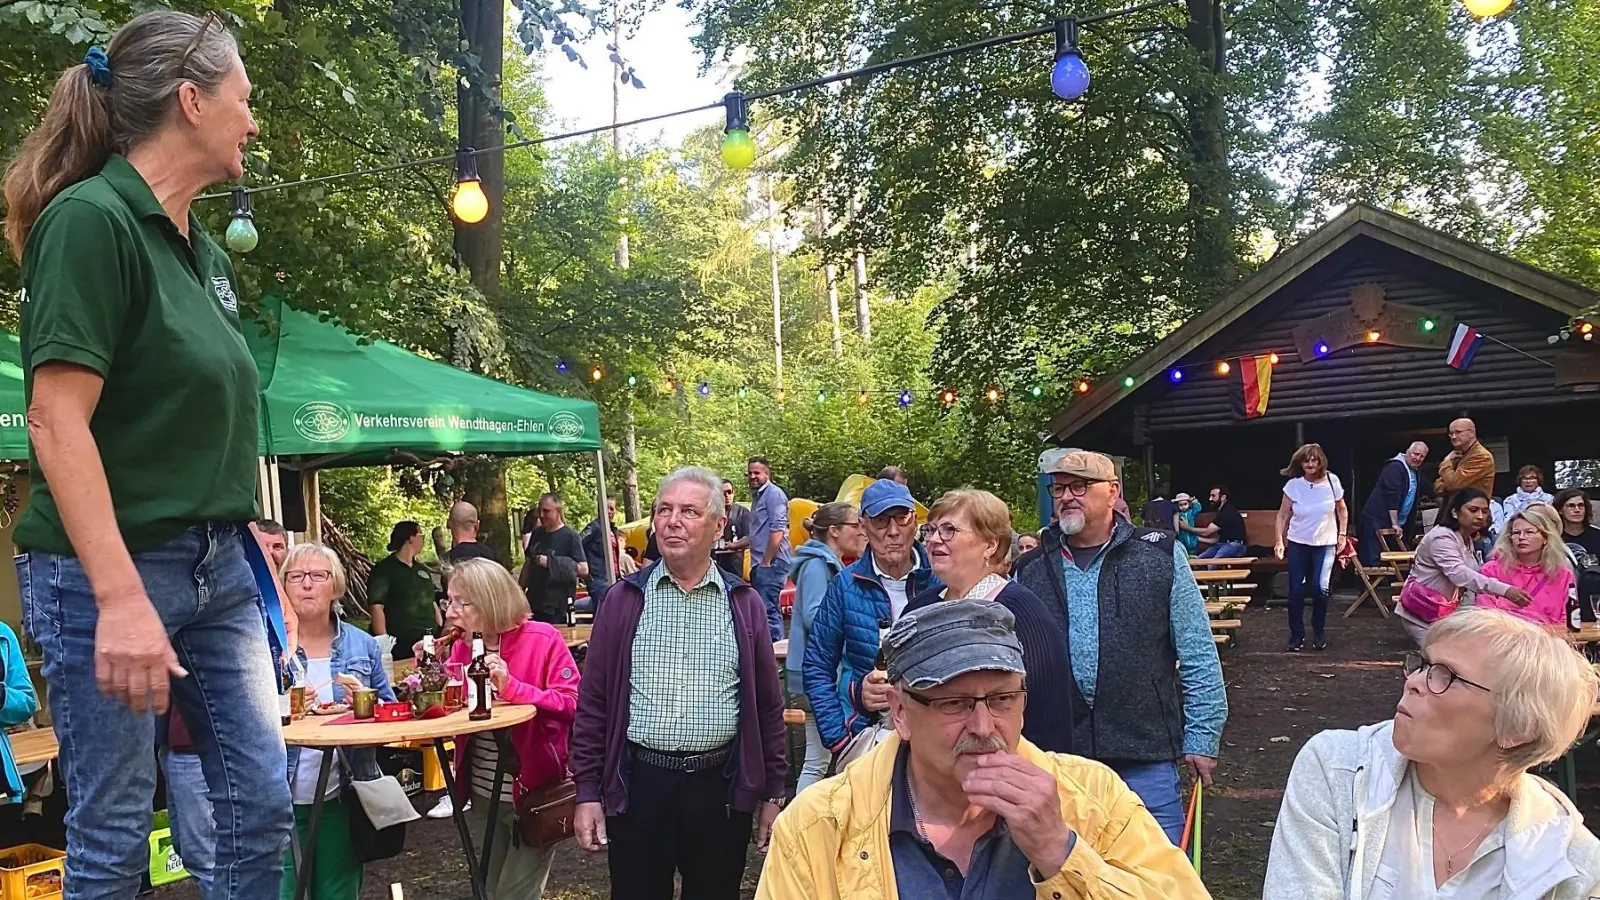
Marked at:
<point>1375,578</point>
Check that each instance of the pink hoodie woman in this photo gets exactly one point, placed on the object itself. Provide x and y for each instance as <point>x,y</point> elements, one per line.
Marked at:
<point>543,675</point>
<point>1549,592</point>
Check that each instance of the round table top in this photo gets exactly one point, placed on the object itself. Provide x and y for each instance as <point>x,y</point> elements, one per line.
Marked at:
<point>314,731</point>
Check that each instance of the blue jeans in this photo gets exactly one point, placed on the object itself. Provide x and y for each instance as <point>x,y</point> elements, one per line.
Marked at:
<point>1229,550</point>
<point>768,582</point>
<point>1309,570</point>
<point>201,586</point>
<point>194,832</point>
<point>1156,783</point>
<point>817,759</point>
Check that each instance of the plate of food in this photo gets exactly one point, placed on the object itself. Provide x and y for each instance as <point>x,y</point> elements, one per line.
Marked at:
<point>330,709</point>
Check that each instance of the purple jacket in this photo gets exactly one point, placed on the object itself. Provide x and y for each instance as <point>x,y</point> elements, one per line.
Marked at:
<point>599,741</point>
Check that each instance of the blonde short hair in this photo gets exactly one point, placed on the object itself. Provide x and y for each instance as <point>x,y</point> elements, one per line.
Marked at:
<point>487,585</point>
<point>989,515</point>
<point>341,582</point>
<point>1545,689</point>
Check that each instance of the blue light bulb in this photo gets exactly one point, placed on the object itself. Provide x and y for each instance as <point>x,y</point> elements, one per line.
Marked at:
<point>704,389</point>
<point>905,398</point>
<point>1176,375</point>
<point>1070,76</point>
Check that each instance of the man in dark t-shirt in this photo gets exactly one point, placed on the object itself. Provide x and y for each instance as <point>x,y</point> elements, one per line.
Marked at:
<point>730,551</point>
<point>464,543</point>
<point>1226,528</point>
<point>555,562</point>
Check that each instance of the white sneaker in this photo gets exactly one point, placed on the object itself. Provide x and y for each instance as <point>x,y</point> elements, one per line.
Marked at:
<point>444,809</point>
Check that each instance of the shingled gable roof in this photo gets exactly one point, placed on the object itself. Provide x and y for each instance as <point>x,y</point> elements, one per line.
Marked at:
<point>1359,220</point>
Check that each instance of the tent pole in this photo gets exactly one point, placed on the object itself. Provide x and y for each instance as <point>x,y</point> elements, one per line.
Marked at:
<point>605,521</point>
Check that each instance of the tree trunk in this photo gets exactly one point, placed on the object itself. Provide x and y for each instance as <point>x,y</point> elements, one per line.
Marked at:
<point>1211,251</point>
<point>480,247</point>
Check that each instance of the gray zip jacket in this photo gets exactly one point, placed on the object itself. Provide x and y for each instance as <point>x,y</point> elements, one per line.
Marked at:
<point>1335,817</point>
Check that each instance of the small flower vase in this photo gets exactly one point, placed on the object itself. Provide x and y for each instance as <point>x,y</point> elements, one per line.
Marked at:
<point>427,705</point>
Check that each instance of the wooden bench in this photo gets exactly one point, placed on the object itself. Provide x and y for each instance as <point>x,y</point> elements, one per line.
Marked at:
<point>1216,608</point>
<point>1225,624</point>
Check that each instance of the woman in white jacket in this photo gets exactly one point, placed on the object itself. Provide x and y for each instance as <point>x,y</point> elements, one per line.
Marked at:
<point>1438,801</point>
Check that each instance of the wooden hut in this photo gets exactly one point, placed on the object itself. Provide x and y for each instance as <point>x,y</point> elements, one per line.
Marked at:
<point>1351,329</point>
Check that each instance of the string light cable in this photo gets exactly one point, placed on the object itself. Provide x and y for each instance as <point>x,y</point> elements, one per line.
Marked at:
<point>1069,80</point>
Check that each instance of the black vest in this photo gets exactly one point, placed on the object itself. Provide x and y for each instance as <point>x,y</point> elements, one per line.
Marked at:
<point>1138,709</point>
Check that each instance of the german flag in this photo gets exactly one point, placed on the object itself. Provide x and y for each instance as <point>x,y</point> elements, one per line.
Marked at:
<point>1256,373</point>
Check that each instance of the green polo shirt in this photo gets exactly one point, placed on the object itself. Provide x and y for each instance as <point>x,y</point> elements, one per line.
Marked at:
<point>406,594</point>
<point>110,285</point>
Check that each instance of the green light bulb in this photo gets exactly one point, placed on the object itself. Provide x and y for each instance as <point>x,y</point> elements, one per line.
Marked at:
<point>1427,324</point>
<point>633,381</point>
<point>1127,381</point>
<point>241,236</point>
<point>822,397</point>
<point>1036,391</point>
<point>738,150</point>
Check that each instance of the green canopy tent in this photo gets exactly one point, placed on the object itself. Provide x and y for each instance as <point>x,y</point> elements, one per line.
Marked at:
<point>13,408</point>
<point>331,399</point>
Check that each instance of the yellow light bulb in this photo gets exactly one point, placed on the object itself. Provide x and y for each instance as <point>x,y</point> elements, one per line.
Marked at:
<point>1483,9</point>
<point>469,203</point>
<point>1272,358</point>
<point>1223,368</point>
<point>1372,336</point>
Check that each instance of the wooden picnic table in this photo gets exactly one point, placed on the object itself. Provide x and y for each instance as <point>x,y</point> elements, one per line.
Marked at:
<point>1220,576</point>
<point>1588,634</point>
<point>575,634</point>
<point>36,746</point>
<point>1235,562</point>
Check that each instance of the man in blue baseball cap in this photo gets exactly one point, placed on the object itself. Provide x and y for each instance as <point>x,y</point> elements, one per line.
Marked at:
<point>847,688</point>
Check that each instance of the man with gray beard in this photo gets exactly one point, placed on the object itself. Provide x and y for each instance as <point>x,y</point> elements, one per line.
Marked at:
<point>1147,686</point>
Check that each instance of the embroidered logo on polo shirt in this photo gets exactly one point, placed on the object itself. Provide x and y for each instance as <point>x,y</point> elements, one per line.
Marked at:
<point>223,288</point>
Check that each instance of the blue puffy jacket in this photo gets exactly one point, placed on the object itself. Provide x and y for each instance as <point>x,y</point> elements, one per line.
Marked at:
<point>18,703</point>
<point>842,644</point>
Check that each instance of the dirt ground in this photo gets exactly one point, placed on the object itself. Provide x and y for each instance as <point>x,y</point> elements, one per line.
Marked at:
<point>1276,701</point>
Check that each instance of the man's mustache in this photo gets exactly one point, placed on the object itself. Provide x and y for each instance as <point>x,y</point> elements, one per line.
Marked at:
<point>974,746</point>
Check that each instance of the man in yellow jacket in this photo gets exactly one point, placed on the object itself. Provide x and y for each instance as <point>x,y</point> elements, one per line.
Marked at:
<point>956,804</point>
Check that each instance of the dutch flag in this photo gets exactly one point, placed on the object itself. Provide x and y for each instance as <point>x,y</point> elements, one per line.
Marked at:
<point>1464,346</point>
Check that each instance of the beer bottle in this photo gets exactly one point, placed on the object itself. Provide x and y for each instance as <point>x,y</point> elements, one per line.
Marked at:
<point>285,684</point>
<point>1574,609</point>
<point>478,686</point>
<point>427,658</point>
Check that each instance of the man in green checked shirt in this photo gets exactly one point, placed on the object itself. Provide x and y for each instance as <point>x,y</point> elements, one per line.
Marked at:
<point>678,749</point>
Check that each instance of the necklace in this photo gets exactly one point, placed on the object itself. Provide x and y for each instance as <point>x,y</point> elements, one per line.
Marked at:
<point>916,812</point>
<point>1449,859</point>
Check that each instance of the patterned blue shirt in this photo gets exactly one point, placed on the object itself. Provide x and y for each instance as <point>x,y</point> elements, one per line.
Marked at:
<point>1205,697</point>
<point>769,512</point>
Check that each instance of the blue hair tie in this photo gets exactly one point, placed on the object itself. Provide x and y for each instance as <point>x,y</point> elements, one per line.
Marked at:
<point>99,66</point>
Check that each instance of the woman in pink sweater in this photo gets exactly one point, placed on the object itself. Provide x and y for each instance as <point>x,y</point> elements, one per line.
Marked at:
<point>529,663</point>
<point>1531,555</point>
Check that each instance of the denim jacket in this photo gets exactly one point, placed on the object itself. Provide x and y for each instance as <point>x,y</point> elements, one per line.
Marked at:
<point>354,652</point>
<point>20,703</point>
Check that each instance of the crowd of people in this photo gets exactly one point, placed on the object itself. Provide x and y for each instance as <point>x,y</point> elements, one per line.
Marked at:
<point>989,714</point>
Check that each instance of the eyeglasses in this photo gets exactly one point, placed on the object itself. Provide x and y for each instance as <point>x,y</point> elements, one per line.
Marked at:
<point>1075,488</point>
<point>960,707</point>
<point>894,517</point>
<point>1528,533</point>
<point>945,531</point>
<point>205,25</point>
<point>1440,676</point>
<point>313,577</point>
<point>854,523</point>
<point>454,603</point>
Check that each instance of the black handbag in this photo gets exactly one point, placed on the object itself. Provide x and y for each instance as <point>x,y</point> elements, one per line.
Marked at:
<point>369,843</point>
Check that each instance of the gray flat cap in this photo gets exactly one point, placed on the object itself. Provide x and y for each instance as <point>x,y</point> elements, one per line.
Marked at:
<point>934,644</point>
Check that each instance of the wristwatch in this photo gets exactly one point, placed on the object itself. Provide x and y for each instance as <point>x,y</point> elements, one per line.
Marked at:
<point>777,801</point>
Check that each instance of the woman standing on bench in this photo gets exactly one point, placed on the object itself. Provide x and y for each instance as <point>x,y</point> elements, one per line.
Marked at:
<point>1312,524</point>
